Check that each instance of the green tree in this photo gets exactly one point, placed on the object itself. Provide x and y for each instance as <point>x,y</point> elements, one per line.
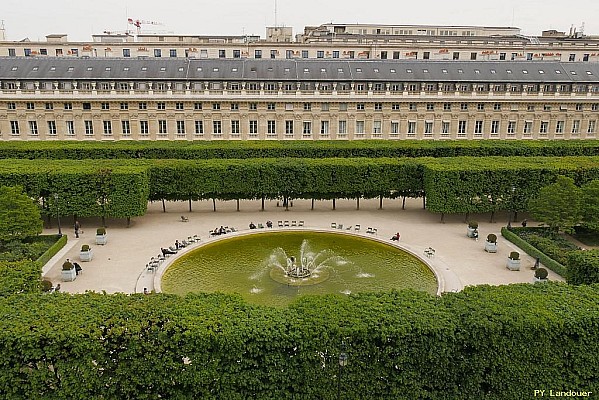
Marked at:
<point>558,205</point>
<point>590,205</point>
<point>19,215</point>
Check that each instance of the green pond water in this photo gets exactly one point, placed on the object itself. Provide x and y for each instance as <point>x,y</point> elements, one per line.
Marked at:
<point>255,267</point>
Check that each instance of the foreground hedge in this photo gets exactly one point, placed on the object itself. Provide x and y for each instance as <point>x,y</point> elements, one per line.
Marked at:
<point>19,277</point>
<point>296,149</point>
<point>583,267</point>
<point>485,342</point>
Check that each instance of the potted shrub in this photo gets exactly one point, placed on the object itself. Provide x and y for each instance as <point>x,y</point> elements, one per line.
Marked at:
<point>513,261</point>
<point>541,275</point>
<point>101,237</point>
<point>86,253</point>
<point>491,243</point>
<point>68,272</point>
<point>472,230</point>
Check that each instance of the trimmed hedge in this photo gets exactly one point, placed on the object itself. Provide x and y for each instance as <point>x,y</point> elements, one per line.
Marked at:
<point>51,252</point>
<point>294,149</point>
<point>534,252</point>
<point>583,267</point>
<point>485,342</point>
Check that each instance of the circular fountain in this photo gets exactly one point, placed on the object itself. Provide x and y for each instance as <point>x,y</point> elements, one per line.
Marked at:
<point>274,268</point>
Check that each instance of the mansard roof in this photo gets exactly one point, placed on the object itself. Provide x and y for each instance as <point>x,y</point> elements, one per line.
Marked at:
<point>160,69</point>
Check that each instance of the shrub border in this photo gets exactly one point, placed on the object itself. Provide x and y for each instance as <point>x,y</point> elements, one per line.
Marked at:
<point>51,252</point>
<point>534,252</point>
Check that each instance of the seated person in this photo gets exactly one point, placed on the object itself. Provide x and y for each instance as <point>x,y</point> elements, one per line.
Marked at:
<point>167,251</point>
<point>396,236</point>
<point>475,234</point>
<point>252,226</point>
<point>78,268</point>
<point>214,232</point>
<point>177,245</point>
<point>269,224</point>
<point>222,230</point>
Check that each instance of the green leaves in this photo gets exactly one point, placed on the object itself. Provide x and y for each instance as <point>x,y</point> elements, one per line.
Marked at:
<point>19,215</point>
<point>558,205</point>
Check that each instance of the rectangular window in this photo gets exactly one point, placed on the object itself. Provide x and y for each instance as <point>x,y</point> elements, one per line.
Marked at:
<point>107,127</point>
<point>591,128</point>
<point>273,53</point>
<point>335,53</point>
<point>307,128</point>
<point>270,106</point>
<point>411,127</point>
<point>89,127</point>
<point>445,127</point>
<point>430,107</point>
<point>462,126</point>
<point>222,53</point>
<point>395,106</point>
<point>124,106</point>
<point>144,128</point>
<point>304,53</point>
<point>162,130</point>
<point>253,127</point>
<point>480,106</point>
<point>142,105</point>
<point>30,106</point>
<point>236,53</point>
<point>157,53</point>
<point>478,126</point>
<point>394,127</point>
<point>126,127</point>
<point>289,127</point>
<point>342,127</point>
<point>428,127</point>
<point>378,106</point>
<point>87,106</point>
<point>559,127</point>
<point>179,106</point>
<point>68,106</point>
<point>126,53</point>
<point>217,127</point>
<point>446,106</point>
<point>161,105</point>
<point>271,127</point>
<point>257,53</point>
<point>527,127</point>
<point>105,106</point>
<point>320,54</point>
<point>359,127</point>
<point>544,127</point>
<point>70,127</point>
<point>235,127</point>
<point>494,126</point>
<point>49,106</point>
<point>199,127</point>
<point>234,106</point>
<point>576,126</point>
<point>33,128</point>
<point>253,106</point>
<point>324,106</point>
<point>14,127</point>
<point>511,127</point>
<point>198,106</point>
<point>307,106</point>
<point>51,127</point>
<point>180,127</point>
<point>216,106</point>
<point>324,127</point>
<point>360,106</point>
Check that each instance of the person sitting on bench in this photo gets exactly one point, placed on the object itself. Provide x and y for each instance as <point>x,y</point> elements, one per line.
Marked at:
<point>78,268</point>
<point>167,251</point>
<point>252,226</point>
<point>396,236</point>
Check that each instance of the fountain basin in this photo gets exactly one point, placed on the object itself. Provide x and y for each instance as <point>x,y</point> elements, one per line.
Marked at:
<point>244,264</point>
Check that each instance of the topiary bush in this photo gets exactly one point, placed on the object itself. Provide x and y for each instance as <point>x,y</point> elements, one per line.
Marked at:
<point>67,265</point>
<point>514,255</point>
<point>85,247</point>
<point>101,231</point>
<point>46,285</point>
<point>583,267</point>
<point>541,273</point>
<point>492,238</point>
<point>473,225</point>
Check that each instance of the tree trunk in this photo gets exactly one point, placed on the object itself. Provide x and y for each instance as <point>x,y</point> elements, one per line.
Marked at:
<point>442,218</point>
<point>213,204</point>
<point>467,216</point>
<point>380,202</point>
<point>492,216</point>
<point>424,202</point>
<point>515,216</point>
<point>237,204</point>
<point>358,203</point>
<point>334,206</point>
<point>190,204</point>
<point>403,203</point>
<point>128,222</point>
<point>286,201</point>
<point>262,209</point>
<point>312,204</point>
<point>163,206</point>
<point>104,221</point>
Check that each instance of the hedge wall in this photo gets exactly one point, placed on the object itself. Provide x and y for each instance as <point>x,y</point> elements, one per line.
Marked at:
<point>583,267</point>
<point>76,150</point>
<point>20,277</point>
<point>51,252</point>
<point>485,342</point>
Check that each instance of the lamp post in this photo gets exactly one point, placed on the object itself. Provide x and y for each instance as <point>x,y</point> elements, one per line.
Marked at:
<point>58,213</point>
<point>512,216</point>
<point>342,363</point>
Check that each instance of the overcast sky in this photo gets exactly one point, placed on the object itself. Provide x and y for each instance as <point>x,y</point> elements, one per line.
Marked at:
<point>80,19</point>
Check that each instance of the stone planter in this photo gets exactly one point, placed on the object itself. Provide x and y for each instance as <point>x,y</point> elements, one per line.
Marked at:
<point>470,232</point>
<point>490,247</point>
<point>101,239</point>
<point>86,255</point>
<point>539,280</point>
<point>68,275</point>
<point>513,265</point>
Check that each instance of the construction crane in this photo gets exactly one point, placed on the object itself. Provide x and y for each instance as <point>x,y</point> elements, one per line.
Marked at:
<point>138,23</point>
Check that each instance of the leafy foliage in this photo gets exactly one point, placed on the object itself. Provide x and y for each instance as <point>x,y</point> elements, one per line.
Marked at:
<point>583,267</point>
<point>513,236</point>
<point>558,205</point>
<point>590,205</point>
<point>19,216</point>
<point>19,277</point>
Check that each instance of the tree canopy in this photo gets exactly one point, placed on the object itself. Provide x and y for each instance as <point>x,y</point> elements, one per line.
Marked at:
<point>19,215</point>
<point>558,205</point>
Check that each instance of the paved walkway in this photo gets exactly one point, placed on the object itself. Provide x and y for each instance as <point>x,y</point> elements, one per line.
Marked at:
<point>119,266</point>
